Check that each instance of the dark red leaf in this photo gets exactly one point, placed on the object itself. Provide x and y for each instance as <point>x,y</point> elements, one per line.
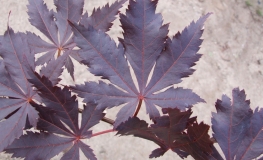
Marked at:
<point>181,153</point>
<point>196,142</point>
<point>172,132</point>
<point>102,18</point>
<point>198,133</point>
<point>157,153</point>
<point>139,128</point>
<point>215,154</point>
<point>170,128</point>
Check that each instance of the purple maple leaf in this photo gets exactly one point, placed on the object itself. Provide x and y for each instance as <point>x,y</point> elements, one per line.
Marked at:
<point>175,131</point>
<point>145,44</point>
<point>58,116</point>
<point>54,25</point>
<point>236,128</point>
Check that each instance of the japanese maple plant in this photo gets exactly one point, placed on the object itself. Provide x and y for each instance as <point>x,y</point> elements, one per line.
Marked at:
<point>41,118</point>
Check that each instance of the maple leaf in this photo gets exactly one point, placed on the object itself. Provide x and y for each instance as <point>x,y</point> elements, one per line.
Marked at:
<point>145,44</point>
<point>174,132</point>
<point>54,25</point>
<point>236,128</point>
<point>15,90</point>
<point>58,125</point>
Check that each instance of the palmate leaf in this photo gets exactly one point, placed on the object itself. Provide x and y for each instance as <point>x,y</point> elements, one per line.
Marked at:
<point>174,131</point>
<point>44,20</point>
<point>236,128</point>
<point>54,25</point>
<point>145,43</point>
<point>58,125</point>
<point>58,32</point>
<point>15,90</point>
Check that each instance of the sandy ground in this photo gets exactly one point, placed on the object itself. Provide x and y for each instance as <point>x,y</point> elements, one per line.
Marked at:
<point>232,57</point>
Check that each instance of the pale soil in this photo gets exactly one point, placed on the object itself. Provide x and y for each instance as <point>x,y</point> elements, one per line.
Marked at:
<point>232,57</point>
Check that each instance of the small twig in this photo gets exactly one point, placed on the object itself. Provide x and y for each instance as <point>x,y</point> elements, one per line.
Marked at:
<point>108,120</point>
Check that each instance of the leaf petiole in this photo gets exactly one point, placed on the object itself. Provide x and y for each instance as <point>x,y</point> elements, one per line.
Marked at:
<point>138,108</point>
<point>103,132</point>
